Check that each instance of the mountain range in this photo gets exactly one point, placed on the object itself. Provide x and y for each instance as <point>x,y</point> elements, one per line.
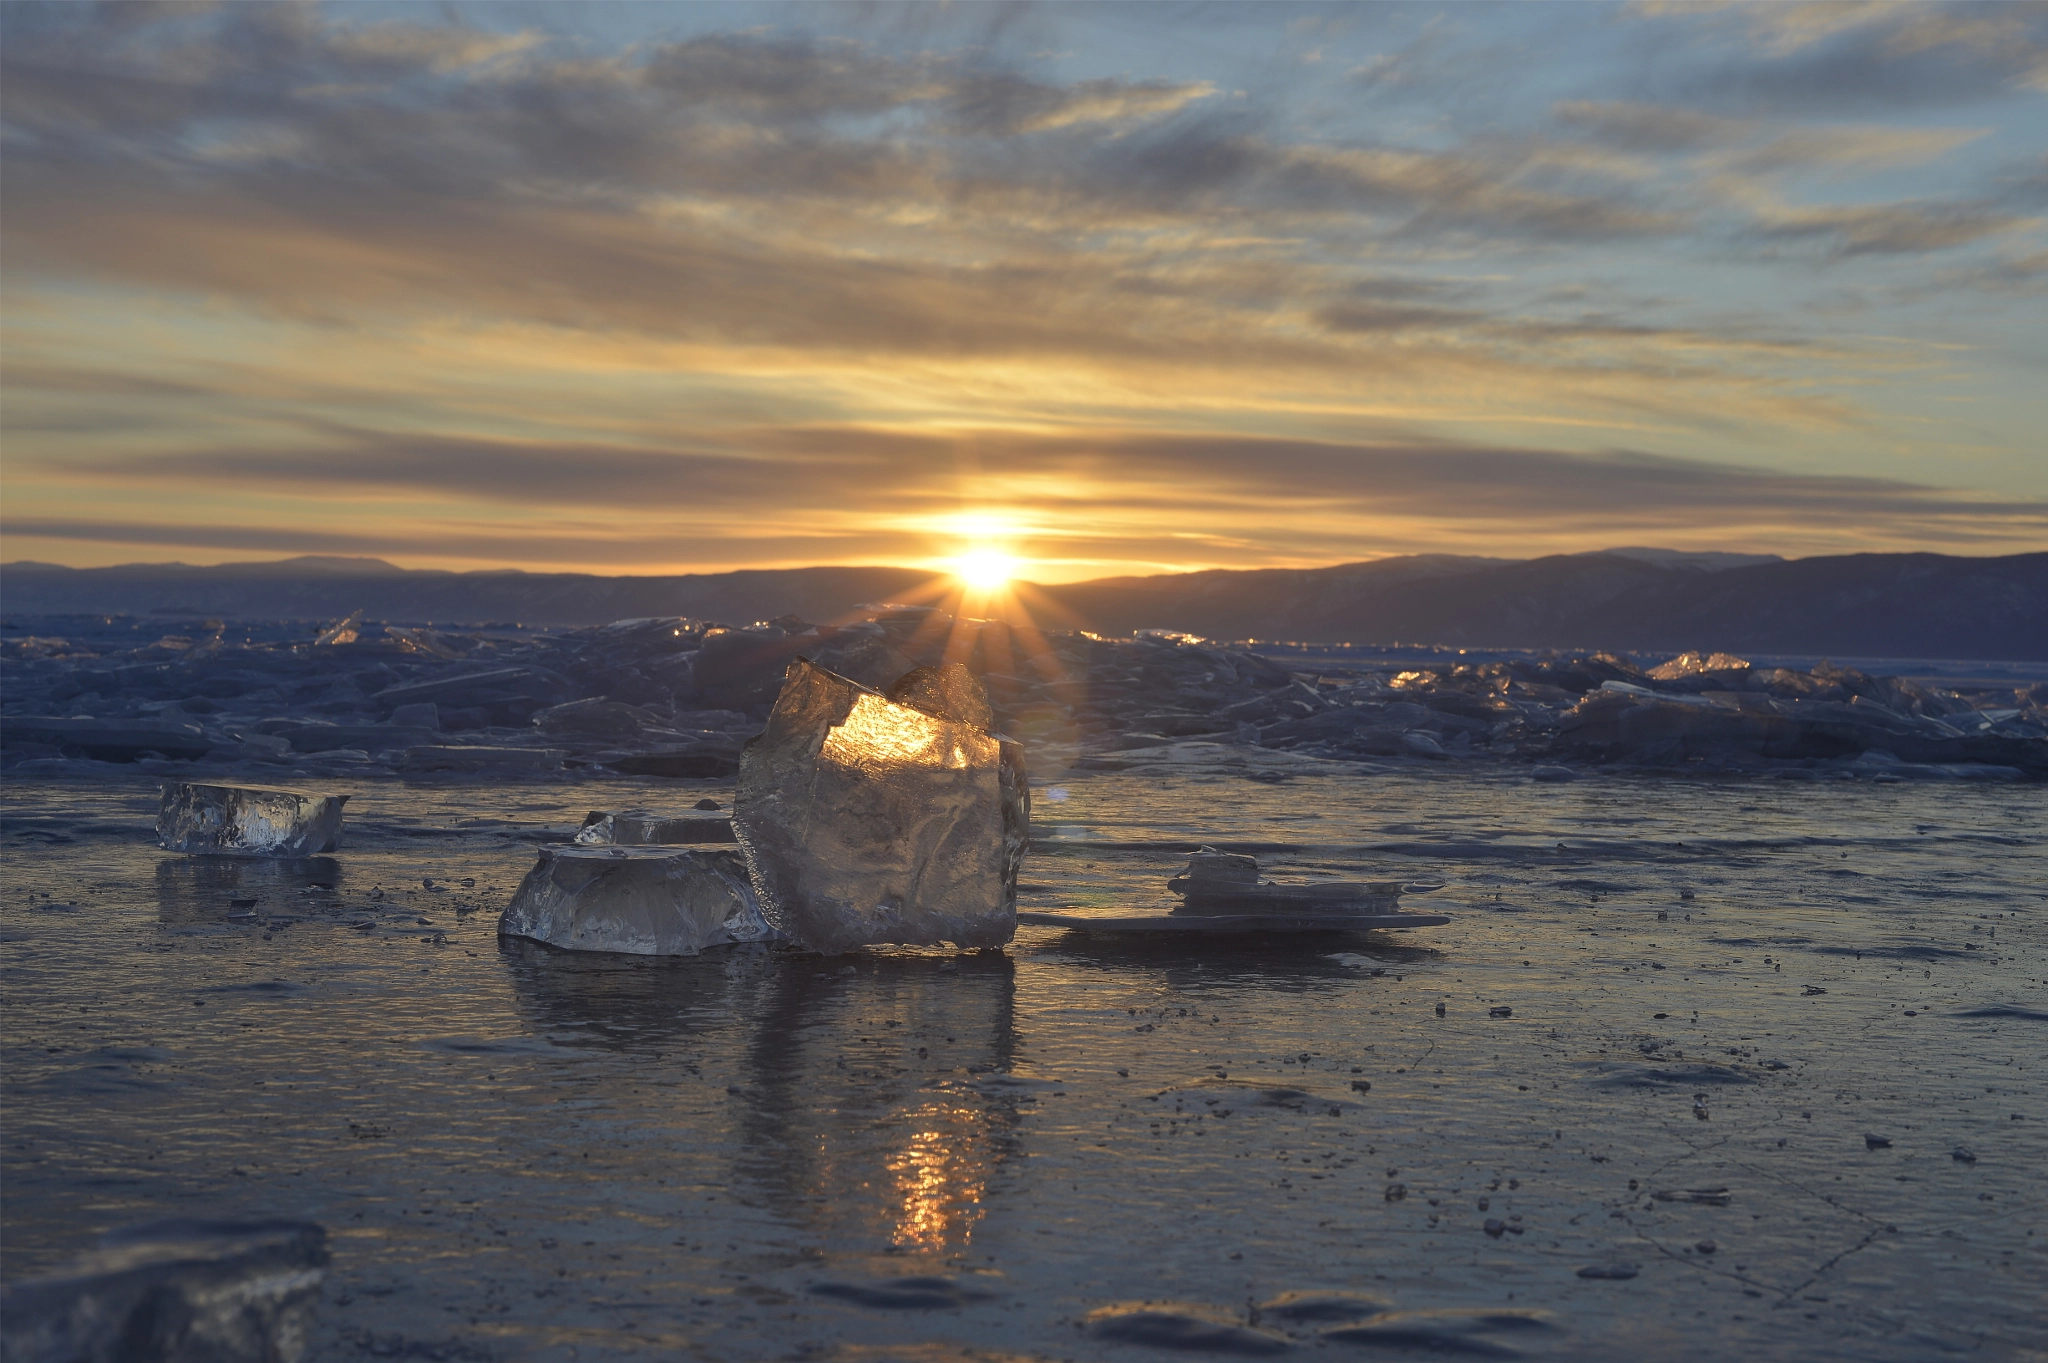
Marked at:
<point>1855,605</point>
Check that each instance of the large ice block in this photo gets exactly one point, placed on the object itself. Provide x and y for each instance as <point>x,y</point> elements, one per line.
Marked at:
<point>868,820</point>
<point>246,821</point>
<point>641,901</point>
<point>175,1292</point>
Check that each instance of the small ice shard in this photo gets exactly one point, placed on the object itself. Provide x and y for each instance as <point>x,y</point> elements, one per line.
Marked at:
<point>1228,883</point>
<point>868,819</point>
<point>175,1292</point>
<point>1693,665</point>
<point>246,821</point>
<point>341,632</point>
<point>452,757</point>
<point>1213,872</point>
<point>640,901</point>
<point>422,714</point>
<point>949,692</point>
<point>637,828</point>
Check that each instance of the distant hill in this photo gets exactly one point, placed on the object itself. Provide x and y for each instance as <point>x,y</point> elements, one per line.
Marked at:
<point>1861,605</point>
<point>319,588</point>
<point>1858,605</point>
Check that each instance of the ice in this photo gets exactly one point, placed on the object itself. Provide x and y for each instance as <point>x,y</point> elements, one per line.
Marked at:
<point>175,1292</point>
<point>1229,883</point>
<point>435,757</point>
<point>115,741</point>
<point>950,692</point>
<point>1694,665</point>
<point>1210,870</point>
<point>246,821</point>
<point>638,828</point>
<point>341,632</point>
<point>641,901</point>
<point>868,820</point>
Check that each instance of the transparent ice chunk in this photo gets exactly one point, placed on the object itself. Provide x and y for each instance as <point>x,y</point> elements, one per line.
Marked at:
<point>867,819</point>
<point>641,901</point>
<point>246,821</point>
<point>1695,665</point>
<point>638,828</point>
<point>1229,883</point>
<point>176,1292</point>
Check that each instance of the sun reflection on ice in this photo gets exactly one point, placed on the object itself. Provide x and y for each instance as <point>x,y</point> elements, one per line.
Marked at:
<point>941,1176</point>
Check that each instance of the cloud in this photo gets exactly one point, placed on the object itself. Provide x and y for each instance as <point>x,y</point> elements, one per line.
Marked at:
<point>1849,57</point>
<point>591,545</point>
<point>1638,126</point>
<point>1861,147</point>
<point>1888,229</point>
<point>857,470</point>
<point>1004,103</point>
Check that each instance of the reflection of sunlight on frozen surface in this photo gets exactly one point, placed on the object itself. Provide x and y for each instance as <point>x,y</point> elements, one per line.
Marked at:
<point>941,1176</point>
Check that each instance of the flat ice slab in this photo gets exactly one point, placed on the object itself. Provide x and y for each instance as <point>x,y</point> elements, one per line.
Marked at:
<point>177,1291</point>
<point>246,821</point>
<point>640,901</point>
<point>1277,921</point>
<point>869,818</point>
<point>638,828</point>
<point>1229,883</point>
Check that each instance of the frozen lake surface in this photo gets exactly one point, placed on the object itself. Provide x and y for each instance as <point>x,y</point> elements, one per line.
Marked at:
<point>1726,997</point>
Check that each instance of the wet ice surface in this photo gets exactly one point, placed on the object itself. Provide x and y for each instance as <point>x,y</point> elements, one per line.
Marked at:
<point>1079,1148</point>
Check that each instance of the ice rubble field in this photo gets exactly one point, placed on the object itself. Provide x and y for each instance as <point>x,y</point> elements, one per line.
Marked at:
<point>755,1153</point>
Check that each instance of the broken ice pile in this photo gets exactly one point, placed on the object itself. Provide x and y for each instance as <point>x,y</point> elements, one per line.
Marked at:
<point>641,901</point>
<point>246,821</point>
<point>870,818</point>
<point>175,1292</point>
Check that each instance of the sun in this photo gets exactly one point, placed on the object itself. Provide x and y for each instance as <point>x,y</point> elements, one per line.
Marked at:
<point>985,569</point>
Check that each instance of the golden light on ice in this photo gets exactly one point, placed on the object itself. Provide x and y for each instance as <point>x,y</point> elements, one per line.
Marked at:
<point>941,1177</point>
<point>880,734</point>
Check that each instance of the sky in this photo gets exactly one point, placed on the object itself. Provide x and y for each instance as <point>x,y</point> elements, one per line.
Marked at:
<point>1099,289</point>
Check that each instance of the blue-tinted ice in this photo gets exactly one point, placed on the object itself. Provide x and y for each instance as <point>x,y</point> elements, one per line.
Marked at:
<point>246,821</point>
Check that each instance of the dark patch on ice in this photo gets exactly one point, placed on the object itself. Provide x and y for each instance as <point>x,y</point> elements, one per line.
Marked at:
<point>1609,1271</point>
<point>60,831</point>
<point>1015,1083</point>
<point>260,988</point>
<point>1460,1333</point>
<point>930,1292</point>
<point>1181,1325</point>
<point>2003,1010</point>
<point>1311,1307</point>
<point>1542,854</point>
<point>1596,886</point>
<point>1044,841</point>
<point>489,1045</point>
<point>112,1069</point>
<point>1704,1197</point>
<point>1228,1094</point>
<point>1912,953</point>
<point>1621,1076</point>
